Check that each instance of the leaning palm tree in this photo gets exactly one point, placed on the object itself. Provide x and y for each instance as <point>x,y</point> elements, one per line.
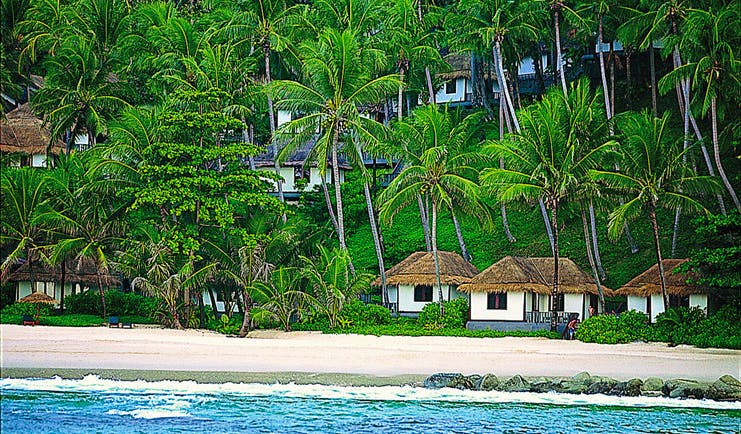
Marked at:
<point>548,159</point>
<point>653,174</point>
<point>338,83</point>
<point>278,298</point>
<point>443,171</point>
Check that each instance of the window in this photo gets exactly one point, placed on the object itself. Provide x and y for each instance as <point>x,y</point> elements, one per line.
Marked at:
<point>450,87</point>
<point>559,302</point>
<point>423,293</point>
<point>496,300</point>
<point>300,172</point>
<point>679,301</point>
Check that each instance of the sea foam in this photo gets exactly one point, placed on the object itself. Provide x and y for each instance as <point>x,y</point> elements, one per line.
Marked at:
<point>97,385</point>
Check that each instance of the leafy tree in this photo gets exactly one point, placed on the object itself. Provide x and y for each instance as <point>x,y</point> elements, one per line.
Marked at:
<point>653,174</point>
<point>549,159</point>
<point>332,285</point>
<point>718,258</point>
<point>339,82</point>
<point>441,171</point>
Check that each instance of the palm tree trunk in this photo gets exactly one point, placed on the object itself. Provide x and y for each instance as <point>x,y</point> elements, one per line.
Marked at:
<point>592,263</point>
<point>271,117</point>
<point>63,282</point>
<point>435,257</point>
<point>459,234</point>
<point>605,90</point>
<point>685,144</point>
<point>595,242</point>
<point>652,63</point>
<point>502,207</point>
<point>337,191</point>
<point>503,89</point>
<point>102,293</point>
<point>716,151</point>
<point>376,241</point>
<point>559,61</point>
<point>330,209</point>
<point>425,222</point>
<point>659,260</point>
<point>612,77</point>
<point>554,291</point>
<point>428,76</point>
<point>548,225</point>
<point>401,92</point>
<point>247,319</point>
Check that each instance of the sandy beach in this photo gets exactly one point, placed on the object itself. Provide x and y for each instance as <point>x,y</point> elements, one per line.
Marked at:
<point>268,356</point>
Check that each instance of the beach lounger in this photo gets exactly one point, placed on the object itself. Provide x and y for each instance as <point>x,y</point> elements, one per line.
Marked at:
<point>28,320</point>
<point>114,322</point>
<point>126,325</point>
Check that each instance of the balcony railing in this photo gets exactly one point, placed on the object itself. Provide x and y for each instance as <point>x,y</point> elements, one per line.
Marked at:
<point>545,317</point>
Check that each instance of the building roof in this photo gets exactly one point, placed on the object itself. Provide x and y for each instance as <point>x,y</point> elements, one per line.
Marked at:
<point>513,273</point>
<point>297,158</point>
<point>85,274</point>
<point>648,282</point>
<point>419,269</point>
<point>21,131</point>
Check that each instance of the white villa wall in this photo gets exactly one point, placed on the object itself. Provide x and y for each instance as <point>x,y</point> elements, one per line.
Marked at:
<point>284,116</point>
<point>657,306</point>
<point>699,300</point>
<point>638,303</point>
<point>393,292</point>
<point>38,160</point>
<point>479,311</point>
<point>219,304</point>
<point>574,303</point>
<point>406,298</point>
<point>462,86</point>
<point>528,65</point>
<point>314,179</point>
<point>49,288</point>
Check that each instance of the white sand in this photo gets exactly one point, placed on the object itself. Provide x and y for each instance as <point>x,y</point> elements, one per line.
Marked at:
<point>153,349</point>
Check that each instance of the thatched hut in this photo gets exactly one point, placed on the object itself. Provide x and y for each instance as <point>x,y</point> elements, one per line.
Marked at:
<point>412,281</point>
<point>21,132</point>
<point>42,278</point>
<point>517,289</point>
<point>644,291</point>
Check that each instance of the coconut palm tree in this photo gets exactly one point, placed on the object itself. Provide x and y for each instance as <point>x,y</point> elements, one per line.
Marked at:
<point>442,170</point>
<point>549,158</point>
<point>278,298</point>
<point>711,35</point>
<point>338,83</point>
<point>652,174</point>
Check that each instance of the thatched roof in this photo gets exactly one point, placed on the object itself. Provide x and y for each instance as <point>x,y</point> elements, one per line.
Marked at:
<point>38,297</point>
<point>648,282</point>
<point>419,269</point>
<point>21,131</point>
<point>460,67</point>
<point>512,274</point>
<point>85,275</point>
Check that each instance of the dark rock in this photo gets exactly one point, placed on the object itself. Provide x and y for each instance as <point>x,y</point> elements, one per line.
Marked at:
<point>438,381</point>
<point>627,388</point>
<point>685,389</point>
<point>582,376</point>
<point>575,385</point>
<point>652,384</point>
<point>541,385</point>
<point>465,382</point>
<point>489,382</point>
<point>601,385</point>
<point>515,384</point>
<point>726,388</point>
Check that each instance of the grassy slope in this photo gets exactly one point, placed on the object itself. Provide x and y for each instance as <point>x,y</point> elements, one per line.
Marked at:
<point>405,236</point>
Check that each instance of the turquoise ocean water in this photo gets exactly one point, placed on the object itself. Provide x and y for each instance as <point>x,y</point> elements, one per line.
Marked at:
<point>95,405</point>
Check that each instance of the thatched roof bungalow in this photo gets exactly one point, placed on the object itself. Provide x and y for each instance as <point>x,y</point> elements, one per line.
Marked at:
<point>412,280</point>
<point>46,279</point>
<point>644,291</point>
<point>518,290</point>
<point>21,132</point>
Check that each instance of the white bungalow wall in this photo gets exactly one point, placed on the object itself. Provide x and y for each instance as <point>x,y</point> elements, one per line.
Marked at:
<point>638,303</point>
<point>514,311</point>
<point>287,173</point>
<point>462,86</point>
<point>38,160</point>
<point>406,297</point>
<point>574,303</point>
<point>49,288</point>
<point>699,300</point>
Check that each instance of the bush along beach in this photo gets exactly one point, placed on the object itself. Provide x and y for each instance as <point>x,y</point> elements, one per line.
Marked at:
<point>726,388</point>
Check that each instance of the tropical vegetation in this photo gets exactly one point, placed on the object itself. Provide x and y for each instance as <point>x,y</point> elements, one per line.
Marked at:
<point>164,110</point>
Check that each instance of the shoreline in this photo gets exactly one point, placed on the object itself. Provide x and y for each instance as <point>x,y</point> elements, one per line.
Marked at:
<point>314,358</point>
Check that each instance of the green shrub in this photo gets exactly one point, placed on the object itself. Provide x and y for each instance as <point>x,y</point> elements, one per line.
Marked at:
<point>117,303</point>
<point>721,330</point>
<point>44,309</point>
<point>679,325</point>
<point>359,314</point>
<point>455,315</point>
<point>609,329</point>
